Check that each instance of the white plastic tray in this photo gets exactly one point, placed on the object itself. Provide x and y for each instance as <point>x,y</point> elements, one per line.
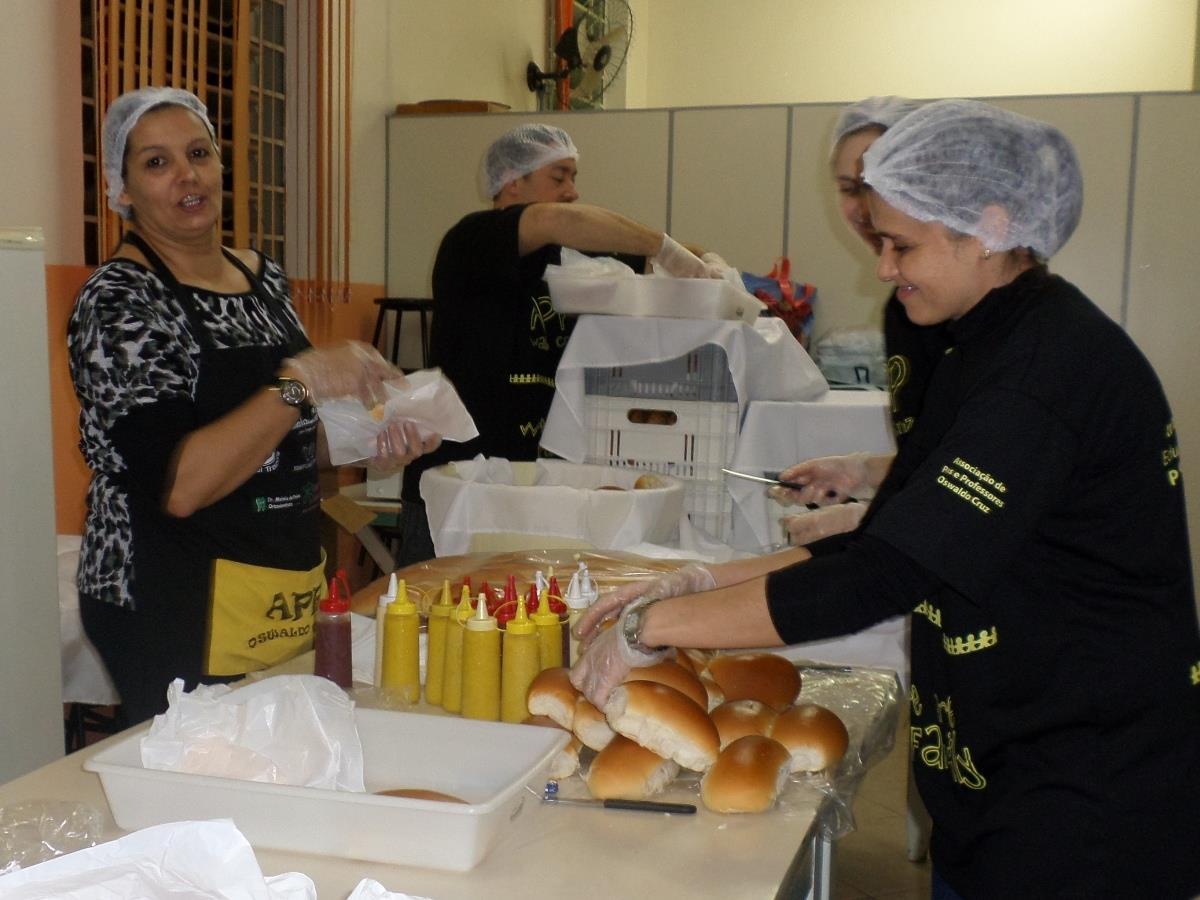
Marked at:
<point>646,295</point>
<point>487,764</point>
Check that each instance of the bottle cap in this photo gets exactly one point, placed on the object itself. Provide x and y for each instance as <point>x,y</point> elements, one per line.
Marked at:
<point>335,601</point>
<point>402,606</point>
<point>463,611</point>
<point>521,623</point>
<point>390,594</point>
<point>545,614</point>
<point>482,620</point>
<point>442,608</point>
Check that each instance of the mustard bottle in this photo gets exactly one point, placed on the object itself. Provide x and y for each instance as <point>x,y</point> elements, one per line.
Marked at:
<point>549,634</point>
<point>435,668</point>
<point>481,665</point>
<point>385,600</point>
<point>452,677</point>
<point>519,664</point>
<point>401,651</point>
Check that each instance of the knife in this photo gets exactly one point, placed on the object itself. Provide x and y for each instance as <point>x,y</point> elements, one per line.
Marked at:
<point>795,486</point>
<point>550,795</point>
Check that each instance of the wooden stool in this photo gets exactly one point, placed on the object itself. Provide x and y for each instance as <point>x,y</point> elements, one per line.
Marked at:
<point>400,305</point>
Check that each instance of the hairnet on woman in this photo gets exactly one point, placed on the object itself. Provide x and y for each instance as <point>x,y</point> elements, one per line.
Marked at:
<point>1033,525</point>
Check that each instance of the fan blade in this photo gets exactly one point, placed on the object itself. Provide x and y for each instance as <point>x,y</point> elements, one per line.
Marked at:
<point>590,83</point>
<point>590,50</point>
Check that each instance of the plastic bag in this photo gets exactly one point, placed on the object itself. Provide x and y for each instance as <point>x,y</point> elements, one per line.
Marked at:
<point>429,400</point>
<point>852,356</point>
<point>290,729</point>
<point>37,830</point>
<point>180,860</point>
<point>790,300</point>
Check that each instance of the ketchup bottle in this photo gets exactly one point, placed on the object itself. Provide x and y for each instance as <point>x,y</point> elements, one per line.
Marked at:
<point>333,637</point>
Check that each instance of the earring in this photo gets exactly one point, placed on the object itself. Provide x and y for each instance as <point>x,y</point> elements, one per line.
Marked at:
<point>987,253</point>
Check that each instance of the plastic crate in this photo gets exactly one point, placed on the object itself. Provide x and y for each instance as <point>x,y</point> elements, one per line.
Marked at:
<point>691,440</point>
<point>701,375</point>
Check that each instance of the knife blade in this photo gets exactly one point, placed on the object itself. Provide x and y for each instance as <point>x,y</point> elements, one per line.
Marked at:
<point>787,484</point>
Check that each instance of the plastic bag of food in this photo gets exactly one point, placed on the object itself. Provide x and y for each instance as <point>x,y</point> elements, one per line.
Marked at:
<point>34,831</point>
<point>428,399</point>
<point>290,729</point>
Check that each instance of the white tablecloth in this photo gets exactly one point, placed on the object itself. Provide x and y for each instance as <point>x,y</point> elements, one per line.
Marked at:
<point>776,435</point>
<point>84,678</point>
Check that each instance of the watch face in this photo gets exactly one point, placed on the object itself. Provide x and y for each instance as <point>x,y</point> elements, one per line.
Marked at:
<point>293,392</point>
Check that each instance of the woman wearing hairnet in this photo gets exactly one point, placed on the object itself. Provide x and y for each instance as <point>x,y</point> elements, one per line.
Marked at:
<point>201,556</point>
<point>1033,523</point>
<point>837,483</point>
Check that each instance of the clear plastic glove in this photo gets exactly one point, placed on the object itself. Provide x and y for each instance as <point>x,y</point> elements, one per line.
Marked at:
<point>827,480</point>
<point>349,369</point>
<point>398,445</point>
<point>815,524</point>
<point>677,260</point>
<point>688,580</point>
<point>608,659</point>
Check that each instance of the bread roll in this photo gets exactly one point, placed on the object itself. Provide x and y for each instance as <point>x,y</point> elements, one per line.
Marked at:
<point>662,719</point>
<point>552,694</point>
<point>629,771</point>
<point>672,675</point>
<point>694,660</point>
<point>566,760</point>
<point>738,718</point>
<point>590,725</point>
<point>421,794</point>
<point>756,676</point>
<point>649,482</point>
<point>747,777</point>
<point>814,736</point>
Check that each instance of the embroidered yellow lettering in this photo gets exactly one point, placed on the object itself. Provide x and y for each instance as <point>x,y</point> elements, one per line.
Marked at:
<point>960,646</point>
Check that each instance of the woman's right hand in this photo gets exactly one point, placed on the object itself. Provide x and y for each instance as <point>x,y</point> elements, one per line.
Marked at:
<point>688,580</point>
<point>826,479</point>
<point>349,369</point>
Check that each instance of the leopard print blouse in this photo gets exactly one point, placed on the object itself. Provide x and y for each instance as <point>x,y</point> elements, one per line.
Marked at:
<point>130,345</point>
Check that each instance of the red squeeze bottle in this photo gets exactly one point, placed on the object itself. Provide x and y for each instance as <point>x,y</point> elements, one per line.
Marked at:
<point>555,597</point>
<point>333,637</point>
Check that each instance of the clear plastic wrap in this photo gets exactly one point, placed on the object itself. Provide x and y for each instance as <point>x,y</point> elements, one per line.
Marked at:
<point>37,830</point>
<point>867,702</point>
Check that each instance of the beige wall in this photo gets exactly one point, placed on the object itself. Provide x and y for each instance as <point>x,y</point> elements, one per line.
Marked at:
<point>713,52</point>
<point>41,180</point>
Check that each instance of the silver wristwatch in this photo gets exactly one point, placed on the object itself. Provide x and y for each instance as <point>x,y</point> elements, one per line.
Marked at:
<point>292,392</point>
<point>631,628</point>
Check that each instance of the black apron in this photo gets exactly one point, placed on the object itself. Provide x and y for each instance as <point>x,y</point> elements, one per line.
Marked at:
<point>233,588</point>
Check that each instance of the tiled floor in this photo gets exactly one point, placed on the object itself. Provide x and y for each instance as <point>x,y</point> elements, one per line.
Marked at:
<point>872,861</point>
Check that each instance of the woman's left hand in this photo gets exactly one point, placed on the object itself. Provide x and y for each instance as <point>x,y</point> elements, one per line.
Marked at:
<point>398,445</point>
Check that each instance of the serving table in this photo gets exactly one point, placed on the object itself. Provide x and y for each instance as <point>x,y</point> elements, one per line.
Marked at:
<point>582,852</point>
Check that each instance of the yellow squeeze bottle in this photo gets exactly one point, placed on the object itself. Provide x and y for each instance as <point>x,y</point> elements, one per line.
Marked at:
<point>439,621</point>
<point>549,634</point>
<point>452,677</point>
<point>481,665</point>
<point>401,651</point>
<point>519,664</point>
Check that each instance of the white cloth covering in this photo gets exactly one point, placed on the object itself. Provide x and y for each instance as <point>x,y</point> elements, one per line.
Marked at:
<point>765,362</point>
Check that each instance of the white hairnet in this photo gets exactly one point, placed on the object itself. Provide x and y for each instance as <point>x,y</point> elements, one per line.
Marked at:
<point>522,150</point>
<point>873,112</point>
<point>124,113</point>
<point>949,161</point>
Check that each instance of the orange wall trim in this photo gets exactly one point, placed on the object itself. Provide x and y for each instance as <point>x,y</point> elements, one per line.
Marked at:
<point>325,324</point>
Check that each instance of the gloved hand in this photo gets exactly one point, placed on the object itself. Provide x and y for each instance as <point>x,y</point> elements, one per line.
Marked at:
<point>676,259</point>
<point>815,524</point>
<point>398,445</point>
<point>349,369</point>
<point>687,580</point>
<point>826,479</point>
<point>608,659</point>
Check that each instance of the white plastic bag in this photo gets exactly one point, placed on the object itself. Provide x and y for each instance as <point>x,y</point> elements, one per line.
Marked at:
<point>429,400</point>
<point>180,860</point>
<point>290,729</point>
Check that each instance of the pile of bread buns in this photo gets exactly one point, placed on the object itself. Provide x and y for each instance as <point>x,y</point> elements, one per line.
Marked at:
<point>733,717</point>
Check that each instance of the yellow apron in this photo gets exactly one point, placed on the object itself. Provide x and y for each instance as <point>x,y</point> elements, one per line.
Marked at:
<point>260,617</point>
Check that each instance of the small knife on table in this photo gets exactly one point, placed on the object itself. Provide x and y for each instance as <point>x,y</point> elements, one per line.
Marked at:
<point>550,795</point>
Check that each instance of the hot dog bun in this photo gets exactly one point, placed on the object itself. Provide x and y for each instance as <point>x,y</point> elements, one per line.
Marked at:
<point>814,736</point>
<point>552,694</point>
<point>738,718</point>
<point>672,675</point>
<point>629,771</point>
<point>756,676</point>
<point>747,776</point>
<point>662,719</point>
